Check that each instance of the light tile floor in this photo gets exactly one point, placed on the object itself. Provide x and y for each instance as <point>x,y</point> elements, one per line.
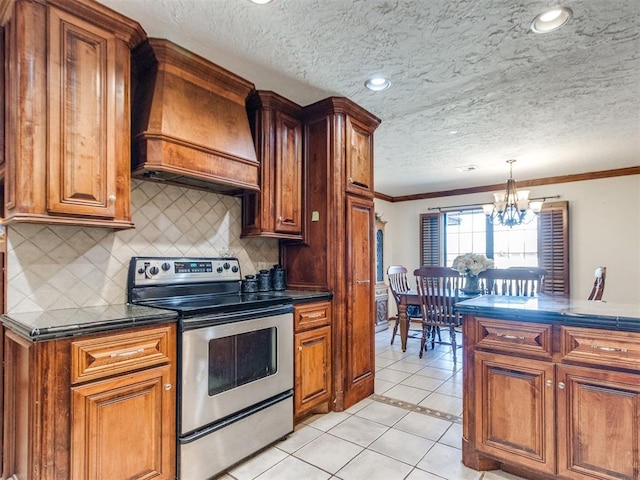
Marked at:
<point>410,429</point>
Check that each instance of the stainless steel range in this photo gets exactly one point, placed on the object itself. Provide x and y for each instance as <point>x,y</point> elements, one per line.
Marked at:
<point>235,359</point>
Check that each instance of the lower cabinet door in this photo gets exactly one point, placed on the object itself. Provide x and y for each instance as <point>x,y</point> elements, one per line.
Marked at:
<point>124,427</point>
<point>514,409</point>
<point>601,411</point>
<point>312,369</point>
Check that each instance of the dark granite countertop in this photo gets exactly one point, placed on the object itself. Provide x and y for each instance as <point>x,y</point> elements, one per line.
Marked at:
<point>556,309</point>
<point>303,296</point>
<point>40,326</point>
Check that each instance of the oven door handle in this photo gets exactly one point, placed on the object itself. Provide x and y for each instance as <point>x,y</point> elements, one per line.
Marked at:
<point>199,321</point>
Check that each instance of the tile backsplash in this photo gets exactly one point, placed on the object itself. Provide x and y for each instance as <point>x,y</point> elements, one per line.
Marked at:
<point>51,267</point>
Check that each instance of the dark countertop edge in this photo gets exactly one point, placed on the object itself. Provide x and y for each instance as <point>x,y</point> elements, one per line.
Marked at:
<point>567,318</point>
<point>307,296</point>
<point>68,331</point>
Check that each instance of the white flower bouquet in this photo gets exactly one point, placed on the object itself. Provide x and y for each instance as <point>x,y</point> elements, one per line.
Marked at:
<point>471,264</point>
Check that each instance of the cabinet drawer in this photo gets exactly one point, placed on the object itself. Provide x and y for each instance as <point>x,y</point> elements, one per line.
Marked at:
<point>108,355</point>
<point>514,337</point>
<point>311,315</point>
<point>601,347</point>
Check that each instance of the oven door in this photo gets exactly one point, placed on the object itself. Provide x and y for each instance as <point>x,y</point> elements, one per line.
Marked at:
<point>232,366</point>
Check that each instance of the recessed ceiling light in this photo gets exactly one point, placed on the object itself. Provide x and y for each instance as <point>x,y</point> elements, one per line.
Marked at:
<point>261,2</point>
<point>551,19</point>
<point>377,83</point>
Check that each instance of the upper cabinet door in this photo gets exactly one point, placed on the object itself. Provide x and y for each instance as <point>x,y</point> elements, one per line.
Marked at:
<point>275,211</point>
<point>359,158</point>
<point>67,82</point>
<point>82,117</point>
<point>288,175</point>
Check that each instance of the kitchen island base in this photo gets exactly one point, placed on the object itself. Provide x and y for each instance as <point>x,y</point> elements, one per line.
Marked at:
<point>551,395</point>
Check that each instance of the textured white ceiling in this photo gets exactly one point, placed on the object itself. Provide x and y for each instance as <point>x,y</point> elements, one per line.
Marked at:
<point>560,103</point>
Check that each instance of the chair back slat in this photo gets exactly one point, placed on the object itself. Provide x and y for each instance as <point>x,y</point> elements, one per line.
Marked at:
<point>398,283</point>
<point>598,284</point>
<point>519,281</point>
<point>439,289</point>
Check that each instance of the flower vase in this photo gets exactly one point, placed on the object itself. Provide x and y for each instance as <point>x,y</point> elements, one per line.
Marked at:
<point>471,285</point>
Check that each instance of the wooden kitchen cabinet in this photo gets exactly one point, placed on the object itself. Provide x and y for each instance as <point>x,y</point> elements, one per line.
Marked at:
<point>550,401</point>
<point>337,253</point>
<point>67,82</point>
<point>515,410</point>
<point>276,211</point>
<point>359,159</point>
<point>312,363</point>
<point>95,407</point>
<point>361,310</point>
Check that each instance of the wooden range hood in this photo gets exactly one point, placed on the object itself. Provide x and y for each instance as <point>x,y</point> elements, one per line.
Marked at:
<point>190,124</point>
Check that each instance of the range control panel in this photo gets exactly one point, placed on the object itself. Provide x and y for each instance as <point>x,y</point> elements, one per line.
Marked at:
<point>173,270</point>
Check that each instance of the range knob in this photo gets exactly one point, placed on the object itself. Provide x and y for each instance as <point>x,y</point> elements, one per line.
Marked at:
<point>235,269</point>
<point>219,269</point>
<point>153,270</point>
<point>141,270</point>
<point>226,266</point>
<point>166,266</point>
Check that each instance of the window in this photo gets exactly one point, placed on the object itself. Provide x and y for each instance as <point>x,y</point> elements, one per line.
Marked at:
<point>542,243</point>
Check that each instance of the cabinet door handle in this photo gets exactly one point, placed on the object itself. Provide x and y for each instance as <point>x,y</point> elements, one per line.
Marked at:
<point>168,386</point>
<point>509,337</point>
<point>363,281</point>
<point>604,348</point>
<point>112,198</point>
<point>300,348</point>
<point>548,383</point>
<point>357,184</point>
<point>561,385</point>
<point>128,353</point>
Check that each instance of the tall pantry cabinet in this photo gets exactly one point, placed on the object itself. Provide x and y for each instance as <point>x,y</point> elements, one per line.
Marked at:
<point>338,251</point>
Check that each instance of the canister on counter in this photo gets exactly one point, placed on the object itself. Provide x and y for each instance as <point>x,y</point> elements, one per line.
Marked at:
<point>264,281</point>
<point>278,281</point>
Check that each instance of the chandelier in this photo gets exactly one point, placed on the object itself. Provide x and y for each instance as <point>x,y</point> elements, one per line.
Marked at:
<point>512,207</point>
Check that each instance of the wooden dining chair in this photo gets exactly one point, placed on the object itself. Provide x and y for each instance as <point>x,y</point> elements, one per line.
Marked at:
<point>522,281</point>
<point>397,275</point>
<point>439,290</point>
<point>598,284</point>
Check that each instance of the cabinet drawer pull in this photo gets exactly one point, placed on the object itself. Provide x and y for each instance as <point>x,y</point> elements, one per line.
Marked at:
<point>604,348</point>
<point>315,315</point>
<point>510,337</point>
<point>128,353</point>
<point>363,281</point>
<point>285,220</point>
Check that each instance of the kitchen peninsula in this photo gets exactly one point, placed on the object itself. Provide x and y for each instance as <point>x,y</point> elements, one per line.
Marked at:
<point>551,387</point>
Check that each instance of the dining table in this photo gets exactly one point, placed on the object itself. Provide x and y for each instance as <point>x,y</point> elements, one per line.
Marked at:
<point>412,297</point>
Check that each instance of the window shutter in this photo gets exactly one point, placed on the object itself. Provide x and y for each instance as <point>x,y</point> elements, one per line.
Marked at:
<point>431,239</point>
<point>553,246</point>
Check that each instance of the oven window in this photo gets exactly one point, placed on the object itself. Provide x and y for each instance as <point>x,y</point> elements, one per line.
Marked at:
<point>240,359</point>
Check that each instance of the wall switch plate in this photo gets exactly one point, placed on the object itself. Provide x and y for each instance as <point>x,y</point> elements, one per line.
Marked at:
<point>315,216</point>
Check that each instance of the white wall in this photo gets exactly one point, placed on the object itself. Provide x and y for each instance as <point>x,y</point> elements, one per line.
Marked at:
<point>604,229</point>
